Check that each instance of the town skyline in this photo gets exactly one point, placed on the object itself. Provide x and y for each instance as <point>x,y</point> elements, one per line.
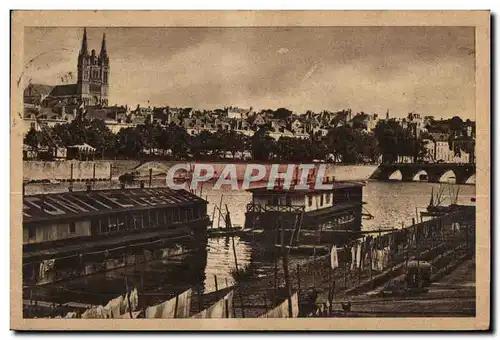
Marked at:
<point>208,68</point>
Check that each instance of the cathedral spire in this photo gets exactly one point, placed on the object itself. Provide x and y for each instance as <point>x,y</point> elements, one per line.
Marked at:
<point>103,46</point>
<point>84,50</point>
<point>104,53</point>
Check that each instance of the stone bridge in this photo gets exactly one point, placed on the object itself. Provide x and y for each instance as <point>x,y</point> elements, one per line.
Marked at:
<point>435,171</point>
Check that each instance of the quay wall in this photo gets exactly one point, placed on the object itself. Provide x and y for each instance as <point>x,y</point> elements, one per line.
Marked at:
<point>106,169</point>
<point>340,172</point>
<point>65,170</point>
<point>82,170</point>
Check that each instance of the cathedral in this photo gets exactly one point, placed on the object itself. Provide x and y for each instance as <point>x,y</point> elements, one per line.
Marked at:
<point>92,84</point>
<point>93,74</point>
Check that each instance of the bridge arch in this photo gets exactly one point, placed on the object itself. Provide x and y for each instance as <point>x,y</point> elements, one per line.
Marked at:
<point>448,176</point>
<point>471,179</point>
<point>421,176</point>
<point>395,175</point>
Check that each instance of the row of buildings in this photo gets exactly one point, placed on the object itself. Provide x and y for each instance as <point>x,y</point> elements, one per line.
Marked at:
<point>47,105</point>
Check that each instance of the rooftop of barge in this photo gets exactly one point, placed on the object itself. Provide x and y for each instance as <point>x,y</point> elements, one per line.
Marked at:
<point>79,204</point>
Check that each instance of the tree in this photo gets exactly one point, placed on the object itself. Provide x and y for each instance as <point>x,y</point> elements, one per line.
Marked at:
<point>394,141</point>
<point>129,143</point>
<point>456,125</point>
<point>341,142</point>
<point>33,139</point>
<point>282,113</point>
<point>263,146</point>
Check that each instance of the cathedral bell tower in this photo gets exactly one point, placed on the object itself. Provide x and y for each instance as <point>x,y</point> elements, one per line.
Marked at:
<point>93,74</point>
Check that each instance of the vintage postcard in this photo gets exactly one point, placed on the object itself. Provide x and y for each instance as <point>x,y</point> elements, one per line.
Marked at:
<point>247,170</point>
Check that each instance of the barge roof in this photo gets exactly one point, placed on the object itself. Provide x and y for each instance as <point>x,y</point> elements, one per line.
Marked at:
<point>310,190</point>
<point>80,204</point>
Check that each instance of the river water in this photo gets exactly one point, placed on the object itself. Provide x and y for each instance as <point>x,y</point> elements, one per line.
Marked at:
<point>392,204</point>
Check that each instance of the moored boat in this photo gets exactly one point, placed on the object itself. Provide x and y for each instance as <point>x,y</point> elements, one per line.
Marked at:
<point>309,216</point>
<point>78,233</point>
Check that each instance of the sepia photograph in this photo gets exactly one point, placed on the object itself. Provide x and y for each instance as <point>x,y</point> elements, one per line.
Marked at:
<point>326,167</point>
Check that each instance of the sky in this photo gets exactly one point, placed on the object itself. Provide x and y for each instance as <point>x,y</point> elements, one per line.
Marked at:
<point>426,70</point>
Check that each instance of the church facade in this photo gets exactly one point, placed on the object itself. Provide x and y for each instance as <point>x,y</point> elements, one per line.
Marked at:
<point>91,89</point>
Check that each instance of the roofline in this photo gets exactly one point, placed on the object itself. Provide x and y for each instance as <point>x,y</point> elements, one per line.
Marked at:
<point>80,216</point>
<point>349,184</point>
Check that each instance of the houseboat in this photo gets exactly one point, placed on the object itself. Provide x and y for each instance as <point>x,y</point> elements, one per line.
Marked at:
<point>303,217</point>
<point>78,233</point>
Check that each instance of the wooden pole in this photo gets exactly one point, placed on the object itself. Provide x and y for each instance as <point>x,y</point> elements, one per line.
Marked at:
<point>216,285</point>
<point>285,270</point>
<point>176,305</point>
<point>226,305</point>
<point>33,285</point>
<point>228,220</point>
<point>417,240</point>
<point>345,274</point>
<point>330,291</point>
<point>275,266</point>
<point>213,216</point>
<point>467,237</point>
<point>200,304</point>
<point>220,213</point>
<point>371,261</point>
<point>298,278</point>
<point>128,297</point>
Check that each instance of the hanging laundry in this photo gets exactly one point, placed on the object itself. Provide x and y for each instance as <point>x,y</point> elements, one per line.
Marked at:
<point>134,299</point>
<point>281,311</point>
<point>367,245</point>
<point>114,307</point>
<point>223,308</point>
<point>184,304</point>
<point>91,313</point>
<point>90,269</point>
<point>334,259</point>
<point>347,255</point>
<point>45,268</point>
<point>155,312</point>
<point>70,315</point>
<point>167,310</point>
<point>380,260</point>
<point>358,256</point>
<point>374,259</point>
<point>385,258</point>
<point>353,256</point>
<point>367,249</point>
<point>101,313</point>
